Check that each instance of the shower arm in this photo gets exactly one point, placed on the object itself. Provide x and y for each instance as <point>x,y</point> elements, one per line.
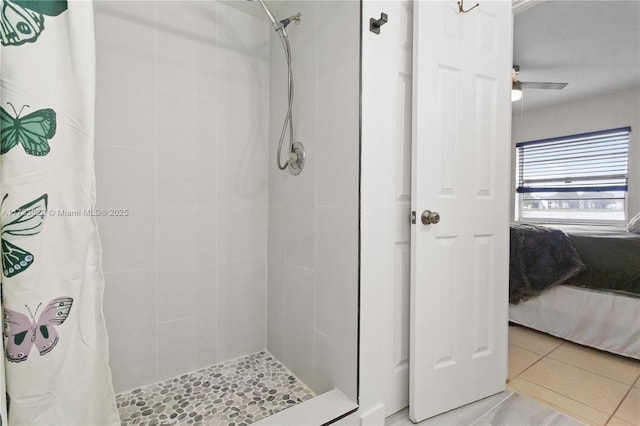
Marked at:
<point>283,22</point>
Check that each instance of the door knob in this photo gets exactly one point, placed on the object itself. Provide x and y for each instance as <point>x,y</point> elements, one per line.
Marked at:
<point>428,217</point>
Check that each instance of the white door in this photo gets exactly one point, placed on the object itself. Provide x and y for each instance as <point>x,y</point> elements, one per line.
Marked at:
<point>389,78</point>
<point>460,169</point>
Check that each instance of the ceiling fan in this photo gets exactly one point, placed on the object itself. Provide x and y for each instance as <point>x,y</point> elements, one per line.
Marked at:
<point>517,86</point>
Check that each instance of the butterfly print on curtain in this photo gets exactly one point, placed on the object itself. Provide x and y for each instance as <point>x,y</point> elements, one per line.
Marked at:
<point>25,221</point>
<point>21,333</point>
<point>31,131</point>
<point>21,21</point>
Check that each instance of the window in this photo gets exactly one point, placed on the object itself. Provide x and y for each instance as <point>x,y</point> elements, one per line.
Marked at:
<point>579,178</point>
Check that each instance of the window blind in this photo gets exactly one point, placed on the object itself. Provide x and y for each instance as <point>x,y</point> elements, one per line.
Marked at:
<point>596,161</point>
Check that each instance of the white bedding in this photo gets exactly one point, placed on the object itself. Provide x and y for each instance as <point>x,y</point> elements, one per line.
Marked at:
<point>601,319</point>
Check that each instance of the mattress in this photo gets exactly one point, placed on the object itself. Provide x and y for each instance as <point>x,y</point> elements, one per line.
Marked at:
<point>611,256</point>
<point>602,319</point>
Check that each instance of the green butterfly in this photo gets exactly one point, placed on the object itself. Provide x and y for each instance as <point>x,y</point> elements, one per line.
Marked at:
<point>21,21</point>
<point>25,221</point>
<point>31,131</point>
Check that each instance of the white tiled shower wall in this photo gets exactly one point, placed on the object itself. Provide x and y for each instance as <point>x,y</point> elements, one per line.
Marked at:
<point>181,139</point>
<point>313,217</point>
<point>182,119</point>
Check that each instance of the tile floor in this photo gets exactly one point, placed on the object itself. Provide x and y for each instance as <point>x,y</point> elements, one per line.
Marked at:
<point>594,387</point>
<point>234,393</point>
<point>503,409</point>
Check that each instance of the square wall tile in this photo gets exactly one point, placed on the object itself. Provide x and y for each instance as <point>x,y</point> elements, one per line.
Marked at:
<point>242,208</point>
<point>242,82</point>
<point>126,73</point>
<point>276,330</point>
<point>130,314</point>
<point>241,308</point>
<point>299,322</point>
<point>276,283</point>
<point>335,366</point>
<point>242,113</point>
<point>279,180</point>
<point>138,12</point>
<point>187,59</point>
<point>177,347</point>
<point>300,212</point>
<point>304,38</point>
<point>186,344</point>
<point>129,242</point>
<point>338,170</point>
<point>298,198</point>
<point>276,239</point>
<point>340,44</point>
<point>186,262</point>
<point>243,33</point>
<point>186,150</point>
<point>207,344</point>
<point>337,274</point>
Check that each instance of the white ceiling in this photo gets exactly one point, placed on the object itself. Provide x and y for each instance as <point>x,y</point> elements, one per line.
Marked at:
<point>592,45</point>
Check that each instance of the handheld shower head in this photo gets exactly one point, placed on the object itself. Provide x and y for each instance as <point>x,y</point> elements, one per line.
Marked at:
<point>296,155</point>
<point>275,23</point>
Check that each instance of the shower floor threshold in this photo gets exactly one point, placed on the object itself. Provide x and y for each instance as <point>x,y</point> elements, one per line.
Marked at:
<point>319,410</point>
<point>237,392</point>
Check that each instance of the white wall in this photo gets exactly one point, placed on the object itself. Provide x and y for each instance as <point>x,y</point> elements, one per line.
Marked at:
<point>599,113</point>
<point>313,217</point>
<point>181,124</point>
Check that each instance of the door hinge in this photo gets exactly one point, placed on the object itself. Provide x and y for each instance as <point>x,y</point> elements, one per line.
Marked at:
<point>413,217</point>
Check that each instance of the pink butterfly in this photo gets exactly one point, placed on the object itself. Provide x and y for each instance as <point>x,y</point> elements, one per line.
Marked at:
<point>22,332</point>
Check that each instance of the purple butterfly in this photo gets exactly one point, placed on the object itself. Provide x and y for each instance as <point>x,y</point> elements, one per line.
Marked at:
<point>22,332</point>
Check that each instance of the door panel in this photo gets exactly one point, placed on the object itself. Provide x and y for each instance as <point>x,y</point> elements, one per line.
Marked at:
<point>460,168</point>
<point>388,105</point>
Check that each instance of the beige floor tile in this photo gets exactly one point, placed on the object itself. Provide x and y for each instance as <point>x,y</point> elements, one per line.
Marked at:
<point>532,340</point>
<point>568,406</point>
<point>624,370</point>
<point>629,410</point>
<point>584,386</point>
<point>615,421</point>
<point>519,360</point>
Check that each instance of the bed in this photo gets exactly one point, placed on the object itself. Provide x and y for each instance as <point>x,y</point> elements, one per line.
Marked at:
<point>580,284</point>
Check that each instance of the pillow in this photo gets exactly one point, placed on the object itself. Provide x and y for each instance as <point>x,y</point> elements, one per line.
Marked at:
<point>634,224</point>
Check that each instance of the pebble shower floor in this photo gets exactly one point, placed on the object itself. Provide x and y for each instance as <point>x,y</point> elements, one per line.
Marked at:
<point>233,393</point>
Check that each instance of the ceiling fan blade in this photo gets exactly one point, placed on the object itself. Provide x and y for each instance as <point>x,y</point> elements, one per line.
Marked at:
<point>542,85</point>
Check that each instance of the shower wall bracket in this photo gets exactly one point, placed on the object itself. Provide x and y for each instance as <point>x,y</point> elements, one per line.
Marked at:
<point>297,157</point>
<point>375,24</point>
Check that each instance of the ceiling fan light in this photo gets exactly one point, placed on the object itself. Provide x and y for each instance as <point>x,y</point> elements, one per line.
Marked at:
<point>516,91</point>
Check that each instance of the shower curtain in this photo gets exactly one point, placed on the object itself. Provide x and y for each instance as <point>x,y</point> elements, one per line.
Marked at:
<point>55,341</point>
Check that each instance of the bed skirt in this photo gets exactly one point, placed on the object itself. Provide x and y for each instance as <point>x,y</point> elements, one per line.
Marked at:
<point>601,319</point>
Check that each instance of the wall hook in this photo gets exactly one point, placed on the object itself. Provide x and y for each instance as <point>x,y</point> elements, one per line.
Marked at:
<point>461,7</point>
<point>375,24</point>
